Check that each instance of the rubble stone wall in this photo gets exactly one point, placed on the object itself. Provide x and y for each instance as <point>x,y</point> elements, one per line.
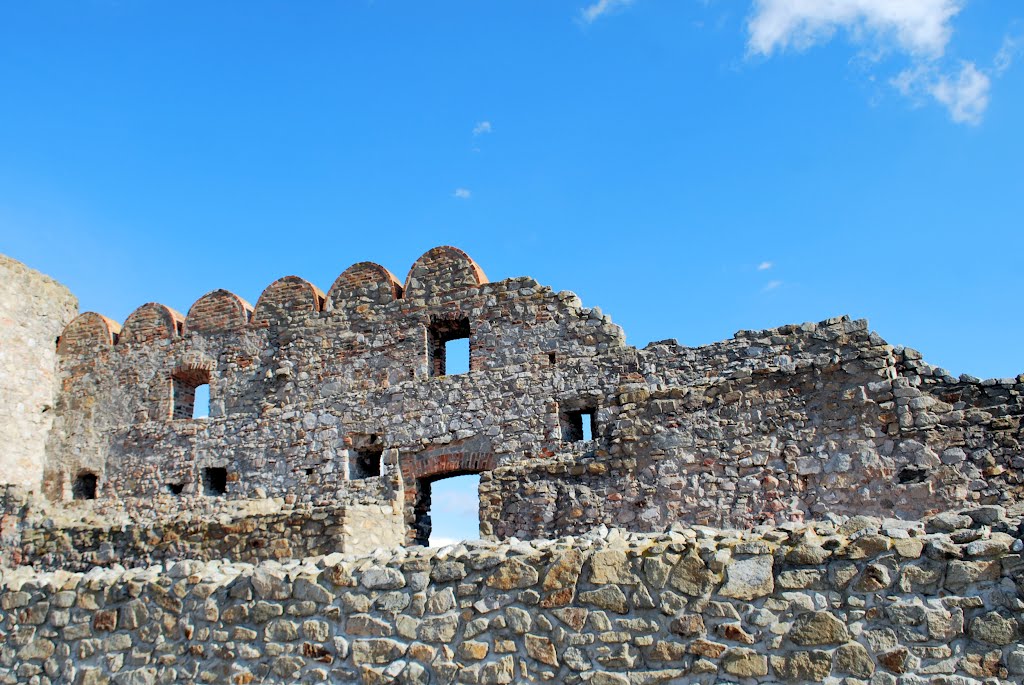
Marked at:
<point>34,309</point>
<point>870,600</point>
<point>338,399</point>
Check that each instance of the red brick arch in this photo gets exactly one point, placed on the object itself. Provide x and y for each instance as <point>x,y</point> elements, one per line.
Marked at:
<point>287,295</point>
<point>433,464</point>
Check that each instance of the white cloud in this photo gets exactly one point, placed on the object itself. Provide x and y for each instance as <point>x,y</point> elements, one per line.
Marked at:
<point>919,27</point>
<point>593,12</point>
<point>482,127</point>
<point>462,193</point>
<point>772,285</point>
<point>764,266</point>
<point>1009,51</point>
<point>965,94</point>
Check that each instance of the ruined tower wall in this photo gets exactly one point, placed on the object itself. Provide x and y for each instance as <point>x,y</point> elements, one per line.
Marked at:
<point>34,309</point>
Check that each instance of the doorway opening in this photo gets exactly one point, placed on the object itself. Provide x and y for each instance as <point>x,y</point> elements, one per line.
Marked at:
<point>447,509</point>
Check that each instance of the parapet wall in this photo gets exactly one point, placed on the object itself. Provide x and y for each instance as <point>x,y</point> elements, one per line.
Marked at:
<point>34,309</point>
<point>884,601</point>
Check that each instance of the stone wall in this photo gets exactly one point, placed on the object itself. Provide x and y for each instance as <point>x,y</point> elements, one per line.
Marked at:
<point>853,601</point>
<point>786,424</point>
<point>34,309</point>
<point>340,399</point>
<point>278,532</point>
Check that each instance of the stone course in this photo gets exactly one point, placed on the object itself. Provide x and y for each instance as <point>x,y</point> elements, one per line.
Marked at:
<point>852,600</point>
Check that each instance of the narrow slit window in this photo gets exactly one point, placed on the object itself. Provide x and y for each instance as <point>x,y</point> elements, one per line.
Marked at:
<point>215,481</point>
<point>85,486</point>
<point>449,347</point>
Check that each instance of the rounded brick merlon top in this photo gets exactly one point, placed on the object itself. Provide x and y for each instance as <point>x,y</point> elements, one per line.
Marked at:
<point>86,332</point>
<point>362,283</point>
<point>219,311</point>
<point>441,269</point>
<point>288,294</point>
<point>152,321</point>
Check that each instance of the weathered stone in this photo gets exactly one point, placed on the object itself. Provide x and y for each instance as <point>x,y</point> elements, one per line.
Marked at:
<point>854,659</point>
<point>812,666</point>
<point>818,628</point>
<point>995,628</point>
<point>749,578</point>
<point>541,649</point>
<point>744,662</point>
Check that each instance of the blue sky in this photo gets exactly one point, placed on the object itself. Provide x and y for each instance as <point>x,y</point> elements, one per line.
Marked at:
<point>693,167</point>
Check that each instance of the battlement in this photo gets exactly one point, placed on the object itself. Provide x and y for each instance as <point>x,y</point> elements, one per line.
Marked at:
<point>347,401</point>
<point>442,274</point>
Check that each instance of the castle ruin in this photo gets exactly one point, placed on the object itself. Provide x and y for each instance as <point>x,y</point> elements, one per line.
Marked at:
<point>689,479</point>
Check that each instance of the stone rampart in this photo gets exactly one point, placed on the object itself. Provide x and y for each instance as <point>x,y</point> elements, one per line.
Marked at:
<point>854,601</point>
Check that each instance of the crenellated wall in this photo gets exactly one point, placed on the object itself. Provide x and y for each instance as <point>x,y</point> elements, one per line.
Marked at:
<point>340,400</point>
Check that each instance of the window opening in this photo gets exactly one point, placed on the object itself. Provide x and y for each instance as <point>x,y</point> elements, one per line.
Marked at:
<point>175,488</point>
<point>365,456</point>
<point>551,358</point>
<point>84,486</point>
<point>367,462</point>
<point>579,425</point>
<point>190,392</point>
<point>449,347</point>
<point>215,481</point>
<point>447,509</point>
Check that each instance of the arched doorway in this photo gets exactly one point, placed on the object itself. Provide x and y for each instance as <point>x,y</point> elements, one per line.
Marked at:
<point>421,471</point>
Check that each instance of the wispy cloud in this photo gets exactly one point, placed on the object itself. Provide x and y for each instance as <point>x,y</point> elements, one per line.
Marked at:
<point>1009,51</point>
<point>965,94</point>
<point>918,29</point>
<point>771,285</point>
<point>462,193</point>
<point>764,266</point>
<point>482,127</point>
<point>595,11</point>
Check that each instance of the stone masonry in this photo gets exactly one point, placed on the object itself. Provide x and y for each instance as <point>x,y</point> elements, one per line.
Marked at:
<point>802,504</point>
<point>871,600</point>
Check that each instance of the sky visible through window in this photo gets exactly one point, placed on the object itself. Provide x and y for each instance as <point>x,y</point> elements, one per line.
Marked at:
<point>456,356</point>
<point>201,406</point>
<point>454,510</point>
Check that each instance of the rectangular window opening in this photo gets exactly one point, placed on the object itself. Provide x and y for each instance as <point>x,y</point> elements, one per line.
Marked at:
<point>579,425</point>
<point>449,347</point>
<point>215,481</point>
<point>190,394</point>
<point>175,488</point>
<point>366,458</point>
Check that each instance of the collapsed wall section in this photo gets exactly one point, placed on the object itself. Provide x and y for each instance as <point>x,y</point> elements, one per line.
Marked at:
<point>880,600</point>
<point>34,309</point>
<point>788,424</point>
